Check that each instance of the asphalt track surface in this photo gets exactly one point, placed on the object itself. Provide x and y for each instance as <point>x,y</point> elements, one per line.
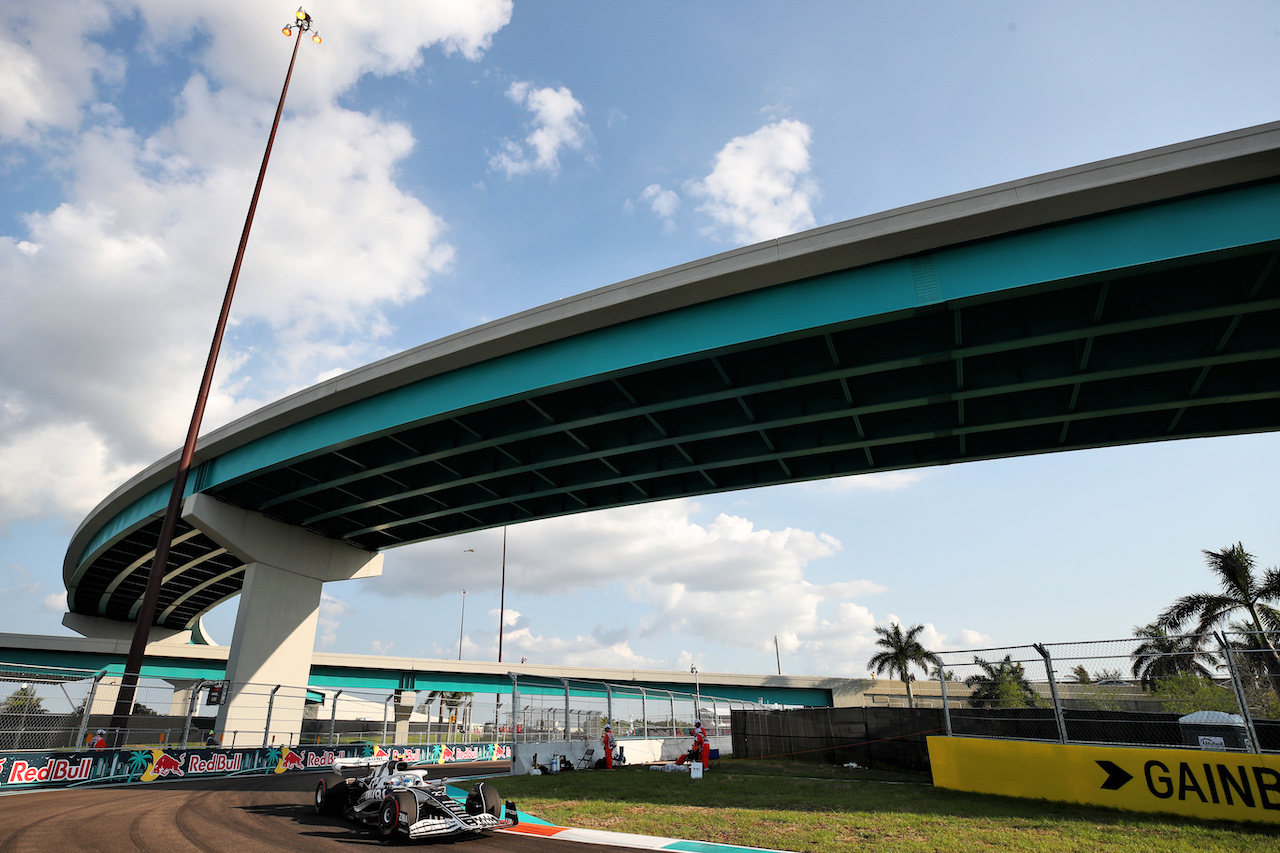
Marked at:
<point>241,814</point>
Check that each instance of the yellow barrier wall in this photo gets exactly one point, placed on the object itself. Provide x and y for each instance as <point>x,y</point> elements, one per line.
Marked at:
<point>1226,785</point>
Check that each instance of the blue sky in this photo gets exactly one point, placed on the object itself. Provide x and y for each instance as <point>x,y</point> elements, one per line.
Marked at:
<point>441,164</point>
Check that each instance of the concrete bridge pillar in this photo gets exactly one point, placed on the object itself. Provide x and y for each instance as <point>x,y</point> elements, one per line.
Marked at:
<point>269,663</point>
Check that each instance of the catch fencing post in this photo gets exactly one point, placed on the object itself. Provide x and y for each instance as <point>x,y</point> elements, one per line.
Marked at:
<point>191,710</point>
<point>946,706</point>
<point>333,718</point>
<point>515,706</point>
<point>1254,745</point>
<point>88,706</point>
<point>271,701</point>
<point>644,711</point>
<point>565,682</point>
<point>1053,692</point>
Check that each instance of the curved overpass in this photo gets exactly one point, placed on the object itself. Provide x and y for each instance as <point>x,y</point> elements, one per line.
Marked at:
<point>1130,300</point>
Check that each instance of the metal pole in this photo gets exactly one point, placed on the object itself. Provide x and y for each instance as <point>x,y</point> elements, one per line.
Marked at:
<point>1053,691</point>
<point>1254,745</point>
<point>462,621</point>
<point>386,705</point>
<point>515,706</point>
<point>502,595</point>
<point>565,682</point>
<point>271,701</point>
<point>644,711</point>
<point>777,653</point>
<point>333,718</point>
<point>160,562</point>
<point>191,710</point>
<point>946,706</point>
<point>88,707</point>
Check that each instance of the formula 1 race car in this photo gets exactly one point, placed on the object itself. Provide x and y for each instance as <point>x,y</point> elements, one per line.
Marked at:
<point>397,797</point>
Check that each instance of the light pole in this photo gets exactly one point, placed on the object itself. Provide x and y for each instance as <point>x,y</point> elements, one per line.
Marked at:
<point>462,622</point>
<point>159,563</point>
<point>502,595</point>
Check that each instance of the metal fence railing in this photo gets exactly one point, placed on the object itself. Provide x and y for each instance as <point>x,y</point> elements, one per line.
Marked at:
<point>573,709</point>
<point>48,708</point>
<point>1214,691</point>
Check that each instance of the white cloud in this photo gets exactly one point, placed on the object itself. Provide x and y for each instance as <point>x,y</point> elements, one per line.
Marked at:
<point>724,581</point>
<point>883,481</point>
<point>327,626</point>
<point>557,126</point>
<point>20,582</point>
<point>110,296</point>
<point>54,602</point>
<point>760,187</point>
<point>49,64</point>
<point>663,202</point>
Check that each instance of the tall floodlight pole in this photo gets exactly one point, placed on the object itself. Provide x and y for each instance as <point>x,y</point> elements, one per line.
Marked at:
<point>133,664</point>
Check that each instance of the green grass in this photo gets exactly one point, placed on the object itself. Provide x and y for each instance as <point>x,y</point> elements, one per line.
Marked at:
<point>804,807</point>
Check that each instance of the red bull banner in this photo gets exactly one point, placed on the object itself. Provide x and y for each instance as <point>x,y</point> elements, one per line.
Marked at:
<point>24,770</point>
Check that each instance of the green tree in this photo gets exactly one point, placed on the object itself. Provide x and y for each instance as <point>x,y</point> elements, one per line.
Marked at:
<point>1002,684</point>
<point>901,651</point>
<point>23,701</point>
<point>1164,655</point>
<point>1080,675</point>
<point>1186,694</point>
<point>1246,594</point>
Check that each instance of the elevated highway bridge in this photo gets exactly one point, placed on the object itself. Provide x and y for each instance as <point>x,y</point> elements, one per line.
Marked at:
<point>1130,300</point>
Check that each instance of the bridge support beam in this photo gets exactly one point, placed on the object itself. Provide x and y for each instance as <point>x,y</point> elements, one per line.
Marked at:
<point>286,568</point>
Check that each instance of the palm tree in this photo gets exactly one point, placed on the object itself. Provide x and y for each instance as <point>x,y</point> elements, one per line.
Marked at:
<point>1243,595</point>
<point>1162,655</point>
<point>1002,684</point>
<point>901,650</point>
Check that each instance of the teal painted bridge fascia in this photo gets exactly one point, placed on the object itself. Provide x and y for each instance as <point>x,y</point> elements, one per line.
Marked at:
<point>1167,232</point>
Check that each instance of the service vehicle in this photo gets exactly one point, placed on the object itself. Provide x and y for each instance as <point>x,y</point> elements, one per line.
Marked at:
<point>398,798</point>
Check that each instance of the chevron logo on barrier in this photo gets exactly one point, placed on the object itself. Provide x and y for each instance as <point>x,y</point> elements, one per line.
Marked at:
<point>1117,776</point>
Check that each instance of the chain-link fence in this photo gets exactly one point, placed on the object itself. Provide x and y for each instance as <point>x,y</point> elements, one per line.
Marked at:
<point>44,708</point>
<point>573,709</point>
<point>62,708</point>
<point>1211,691</point>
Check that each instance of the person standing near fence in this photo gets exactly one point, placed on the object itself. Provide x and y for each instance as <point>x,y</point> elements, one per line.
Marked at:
<point>607,741</point>
<point>98,741</point>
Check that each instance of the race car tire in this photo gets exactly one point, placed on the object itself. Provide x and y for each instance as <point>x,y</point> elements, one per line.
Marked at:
<point>408,806</point>
<point>331,794</point>
<point>388,817</point>
<point>486,799</point>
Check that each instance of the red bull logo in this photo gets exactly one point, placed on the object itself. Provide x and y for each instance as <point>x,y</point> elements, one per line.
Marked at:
<point>290,760</point>
<point>216,763</point>
<point>57,770</point>
<point>324,760</point>
<point>163,764</point>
